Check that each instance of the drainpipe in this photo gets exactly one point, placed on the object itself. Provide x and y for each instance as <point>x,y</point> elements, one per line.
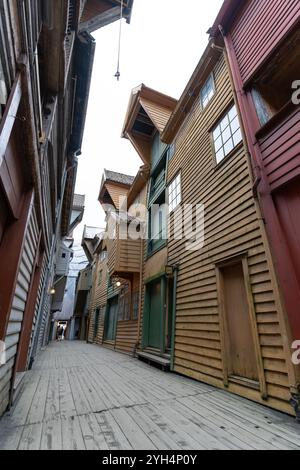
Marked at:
<point>176,269</point>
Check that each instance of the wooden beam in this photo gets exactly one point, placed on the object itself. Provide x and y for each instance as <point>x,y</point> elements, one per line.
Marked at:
<point>10,116</point>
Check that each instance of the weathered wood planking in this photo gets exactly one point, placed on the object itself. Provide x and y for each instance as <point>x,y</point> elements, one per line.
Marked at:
<point>88,397</point>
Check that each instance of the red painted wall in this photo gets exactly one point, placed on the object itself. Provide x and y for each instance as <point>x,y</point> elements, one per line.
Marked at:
<point>259,28</point>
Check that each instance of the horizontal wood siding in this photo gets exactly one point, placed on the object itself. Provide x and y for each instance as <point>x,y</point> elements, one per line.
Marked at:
<point>126,336</point>
<point>231,227</point>
<point>259,28</point>
<point>98,300</point>
<point>127,331</point>
<point>158,114</point>
<point>129,256</point>
<point>280,150</point>
<point>18,308</point>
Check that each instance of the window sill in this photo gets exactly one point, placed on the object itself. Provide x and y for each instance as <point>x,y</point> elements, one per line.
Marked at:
<point>151,253</point>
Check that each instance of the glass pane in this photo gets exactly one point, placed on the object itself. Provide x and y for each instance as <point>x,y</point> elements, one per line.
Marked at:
<point>218,143</point>
<point>224,123</point>
<point>226,134</point>
<point>216,132</point>
<point>220,155</point>
<point>235,125</point>
<point>237,138</point>
<point>228,146</point>
<point>232,113</point>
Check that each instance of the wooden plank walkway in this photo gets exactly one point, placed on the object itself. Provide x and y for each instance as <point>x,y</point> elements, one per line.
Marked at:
<point>80,396</point>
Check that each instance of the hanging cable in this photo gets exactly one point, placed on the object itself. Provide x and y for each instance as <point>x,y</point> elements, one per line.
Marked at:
<point>117,74</point>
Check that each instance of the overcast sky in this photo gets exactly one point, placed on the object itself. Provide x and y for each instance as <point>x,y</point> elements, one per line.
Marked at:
<point>160,48</point>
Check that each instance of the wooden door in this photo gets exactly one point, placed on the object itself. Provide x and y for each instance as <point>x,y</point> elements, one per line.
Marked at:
<point>240,347</point>
<point>111,319</point>
<point>155,313</point>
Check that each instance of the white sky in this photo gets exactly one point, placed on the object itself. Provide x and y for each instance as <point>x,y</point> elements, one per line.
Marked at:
<point>160,48</point>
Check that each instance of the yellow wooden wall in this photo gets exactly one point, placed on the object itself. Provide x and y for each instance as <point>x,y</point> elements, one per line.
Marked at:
<point>232,225</point>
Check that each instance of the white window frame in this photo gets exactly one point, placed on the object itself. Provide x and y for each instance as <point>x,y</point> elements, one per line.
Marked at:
<point>207,93</point>
<point>227,134</point>
<point>174,193</point>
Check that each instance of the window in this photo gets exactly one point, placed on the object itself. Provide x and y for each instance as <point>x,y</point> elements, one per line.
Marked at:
<point>171,151</point>
<point>124,304</point>
<point>207,91</point>
<point>157,199</point>
<point>100,277</point>
<point>157,224</point>
<point>272,89</point>
<point>158,148</point>
<point>135,305</point>
<point>227,134</point>
<point>174,193</point>
<point>103,255</point>
<point>63,255</point>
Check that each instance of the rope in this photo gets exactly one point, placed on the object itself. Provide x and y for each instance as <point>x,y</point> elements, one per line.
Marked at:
<point>117,74</point>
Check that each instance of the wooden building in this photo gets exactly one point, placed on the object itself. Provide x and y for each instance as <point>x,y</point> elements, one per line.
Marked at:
<point>147,115</point>
<point>117,283</point>
<point>46,60</point>
<point>230,328</point>
<point>262,42</point>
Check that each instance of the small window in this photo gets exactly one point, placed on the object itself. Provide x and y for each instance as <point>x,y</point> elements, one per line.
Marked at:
<point>227,134</point>
<point>172,150</point>
<point>207,91</point>
<point>63,255</point>
<point>99,277</point>
<point>174,193</point>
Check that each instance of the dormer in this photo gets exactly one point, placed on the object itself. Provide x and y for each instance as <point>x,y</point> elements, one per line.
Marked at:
<point>147,115</point>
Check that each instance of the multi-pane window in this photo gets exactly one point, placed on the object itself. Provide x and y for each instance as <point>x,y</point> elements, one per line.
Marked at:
<point>174,193</point>
<point>99,277</point>
<point>207,91</point>
<point>135,305</point>
<point>124,304</point>
<point>227,134</point>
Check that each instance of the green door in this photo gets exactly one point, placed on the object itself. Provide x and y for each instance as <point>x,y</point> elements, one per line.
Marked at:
<point>96,322</point>
<point>155,315</point>
<point>111,319</point>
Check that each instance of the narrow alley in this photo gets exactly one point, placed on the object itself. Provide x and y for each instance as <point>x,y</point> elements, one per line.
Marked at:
<point>80,396</point>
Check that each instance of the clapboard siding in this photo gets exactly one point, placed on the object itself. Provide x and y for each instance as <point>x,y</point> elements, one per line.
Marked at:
<point>98,299</point>
<point>258,30</point>
<point>280,150</point>
<point>127,330</point>
<point>38,306</point>
<point>231,227</point>
<point>18,306</point>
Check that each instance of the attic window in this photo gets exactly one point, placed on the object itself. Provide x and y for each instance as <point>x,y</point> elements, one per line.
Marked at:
<point>207,91</point>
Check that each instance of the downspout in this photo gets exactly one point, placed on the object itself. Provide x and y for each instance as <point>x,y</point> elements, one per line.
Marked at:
<point>176,269</point>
